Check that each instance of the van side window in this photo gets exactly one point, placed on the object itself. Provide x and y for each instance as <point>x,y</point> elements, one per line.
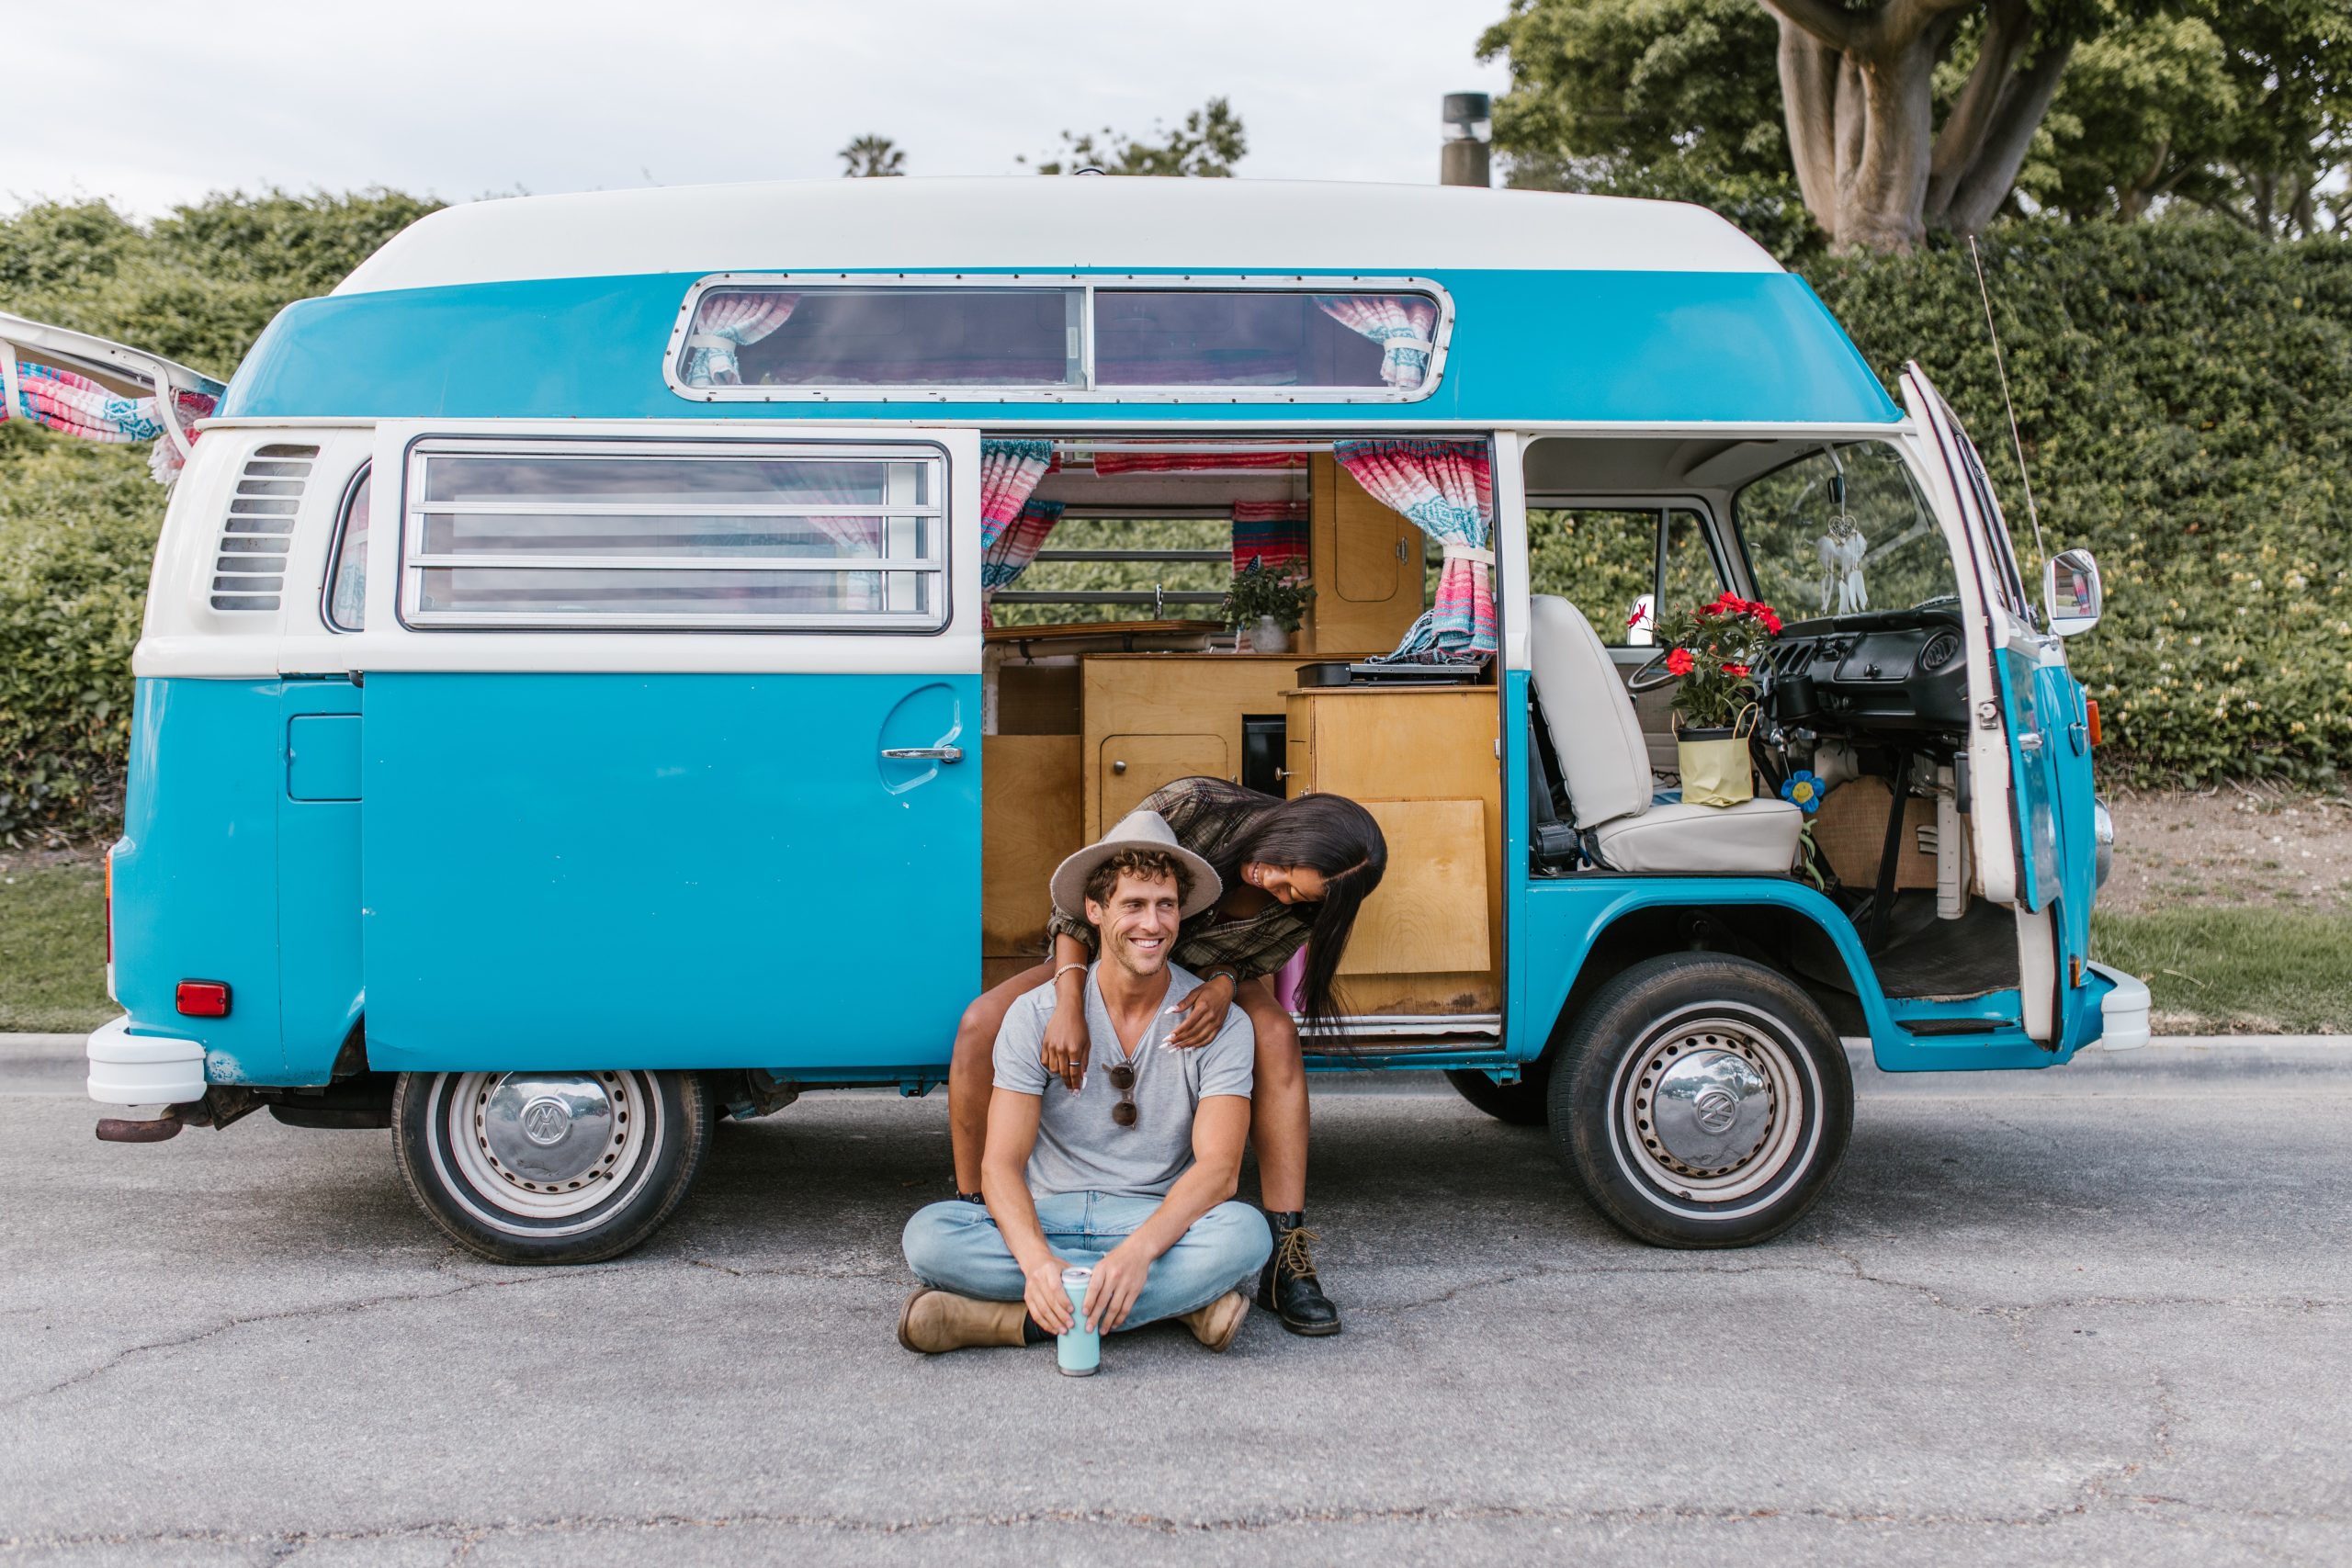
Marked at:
<point>1623,567</point>
<point>347,601</point>
<point>2003,548</point>
<point>695,536</point>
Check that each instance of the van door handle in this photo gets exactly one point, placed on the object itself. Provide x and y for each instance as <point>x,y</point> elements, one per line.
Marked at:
<point>923,754</point>
<point>2029,741</point>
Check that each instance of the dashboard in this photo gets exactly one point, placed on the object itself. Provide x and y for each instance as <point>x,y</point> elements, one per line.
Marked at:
<point>1889,669</point>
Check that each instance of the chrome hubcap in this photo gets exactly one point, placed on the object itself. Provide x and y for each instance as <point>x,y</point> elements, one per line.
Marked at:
<point>542,1130</point>
<point>1710,1109</point>
<point>543,1146</point>
<point>1708,1106</point>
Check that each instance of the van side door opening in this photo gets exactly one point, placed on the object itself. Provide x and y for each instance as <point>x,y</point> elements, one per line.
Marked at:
<point>1115,673</point>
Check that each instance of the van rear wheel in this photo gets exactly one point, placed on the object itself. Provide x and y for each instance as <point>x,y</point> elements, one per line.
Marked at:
<point>1701,1100</point>
<point>549,1167</point>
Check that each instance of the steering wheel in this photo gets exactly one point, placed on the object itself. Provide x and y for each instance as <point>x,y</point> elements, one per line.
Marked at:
<point>1651,676</point>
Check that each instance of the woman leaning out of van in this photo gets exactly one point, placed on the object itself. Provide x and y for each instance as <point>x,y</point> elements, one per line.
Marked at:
<point>1295,873</point>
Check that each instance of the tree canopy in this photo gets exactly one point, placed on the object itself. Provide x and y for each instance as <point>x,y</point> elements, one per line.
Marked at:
<point>869,156</point>
<point>1892,118</point>
<point>1209,142</point>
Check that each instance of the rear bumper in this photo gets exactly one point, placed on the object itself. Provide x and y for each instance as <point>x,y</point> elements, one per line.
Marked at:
<point>2123,1011</point>
<point>142,1070</point>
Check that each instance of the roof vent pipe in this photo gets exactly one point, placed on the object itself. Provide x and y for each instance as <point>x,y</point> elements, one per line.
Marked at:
<point>1464,158</point>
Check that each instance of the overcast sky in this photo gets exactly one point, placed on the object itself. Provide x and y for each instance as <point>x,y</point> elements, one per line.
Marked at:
<point>147,104</point>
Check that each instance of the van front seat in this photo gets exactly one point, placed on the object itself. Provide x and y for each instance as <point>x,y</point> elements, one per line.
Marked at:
<point>1599,742</point>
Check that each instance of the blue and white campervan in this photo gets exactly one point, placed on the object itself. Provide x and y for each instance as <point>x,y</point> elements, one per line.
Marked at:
<point>586,689</point>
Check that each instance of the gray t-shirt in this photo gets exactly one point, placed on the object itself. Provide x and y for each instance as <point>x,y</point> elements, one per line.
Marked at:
<point>1079,1149</point>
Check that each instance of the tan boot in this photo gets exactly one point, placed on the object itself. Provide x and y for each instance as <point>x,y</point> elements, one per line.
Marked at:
<point>932,1321</point>
<point>1215,1324</point>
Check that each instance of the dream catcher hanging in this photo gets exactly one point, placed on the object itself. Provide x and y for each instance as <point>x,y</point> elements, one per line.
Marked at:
<point>1842,550</point>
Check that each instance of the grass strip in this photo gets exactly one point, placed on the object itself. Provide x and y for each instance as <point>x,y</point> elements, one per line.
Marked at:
<point>53,948</point>
<point>2214,971</point>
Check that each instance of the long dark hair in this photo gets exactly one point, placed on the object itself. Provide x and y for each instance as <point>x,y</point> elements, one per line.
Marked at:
<point>1330,834</point>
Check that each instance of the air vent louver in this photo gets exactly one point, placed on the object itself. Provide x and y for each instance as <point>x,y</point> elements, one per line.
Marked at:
<point>249,572</point>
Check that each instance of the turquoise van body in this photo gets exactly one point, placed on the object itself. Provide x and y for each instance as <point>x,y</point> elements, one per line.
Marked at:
<point>514,861</point>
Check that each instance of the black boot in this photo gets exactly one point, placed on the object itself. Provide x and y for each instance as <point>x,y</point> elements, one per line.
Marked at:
<point>1287,1287</point>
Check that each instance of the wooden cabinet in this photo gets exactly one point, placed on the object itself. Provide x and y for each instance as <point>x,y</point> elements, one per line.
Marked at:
<point>1423,762</point>
<point>1367,566</point>
<point>1154,718</point>
<point>1130,767</point>
<point>1029,795</point>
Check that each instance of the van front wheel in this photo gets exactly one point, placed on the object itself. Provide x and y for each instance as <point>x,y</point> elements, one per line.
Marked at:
<point>1701,1100</point>
<point>549,1167</point>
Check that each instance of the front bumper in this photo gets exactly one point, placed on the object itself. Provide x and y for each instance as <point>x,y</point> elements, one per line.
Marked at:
<point>2123,1011</point>
<point>142,1069</point>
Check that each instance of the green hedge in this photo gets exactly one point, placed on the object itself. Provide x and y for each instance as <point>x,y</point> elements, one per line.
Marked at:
<point>2185,395</point>
<point>77,531</point>
<point>2184,392</point>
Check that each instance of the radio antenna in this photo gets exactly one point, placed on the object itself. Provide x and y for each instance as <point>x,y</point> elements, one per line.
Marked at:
<point>2017,442</point>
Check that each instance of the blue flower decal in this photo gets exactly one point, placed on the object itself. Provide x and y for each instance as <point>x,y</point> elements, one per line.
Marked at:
<point>1804,790</point>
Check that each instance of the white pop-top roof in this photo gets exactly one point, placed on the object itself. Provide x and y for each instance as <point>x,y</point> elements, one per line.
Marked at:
<point>1045,224</point>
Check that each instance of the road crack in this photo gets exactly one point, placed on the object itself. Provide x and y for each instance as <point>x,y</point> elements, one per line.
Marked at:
<point>322,1309</point>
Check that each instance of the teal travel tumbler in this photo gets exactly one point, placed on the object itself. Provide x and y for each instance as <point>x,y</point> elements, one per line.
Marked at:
<point>1078,1353</point>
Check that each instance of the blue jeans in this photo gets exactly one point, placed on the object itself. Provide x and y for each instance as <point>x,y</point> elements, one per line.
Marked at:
<point>955,1247</point>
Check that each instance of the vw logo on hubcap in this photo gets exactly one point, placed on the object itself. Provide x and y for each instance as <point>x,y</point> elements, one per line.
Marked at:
<point>544,1120</point>
<point>1716,1110</point>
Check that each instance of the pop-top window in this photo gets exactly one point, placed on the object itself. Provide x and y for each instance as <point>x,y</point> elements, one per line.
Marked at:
<point>1063,337</point>
<point>1261,338</point>
<point>885,337</point>
<point>628,538</point>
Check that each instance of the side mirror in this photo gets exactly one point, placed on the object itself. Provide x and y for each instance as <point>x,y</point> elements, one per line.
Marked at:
<point>2071,596</point>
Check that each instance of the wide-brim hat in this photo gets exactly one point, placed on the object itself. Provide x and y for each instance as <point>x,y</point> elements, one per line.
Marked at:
<point>1135,831</point>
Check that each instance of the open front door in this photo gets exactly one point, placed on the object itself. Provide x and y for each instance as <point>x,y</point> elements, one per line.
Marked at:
<point>670,748</point>
<point>2030,745</point>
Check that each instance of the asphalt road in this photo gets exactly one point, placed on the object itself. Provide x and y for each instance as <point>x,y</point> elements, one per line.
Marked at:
<point>2101,1314</point>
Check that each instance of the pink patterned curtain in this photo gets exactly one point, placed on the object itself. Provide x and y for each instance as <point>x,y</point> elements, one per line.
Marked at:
<point>1002,563</point>
<point>1011,532</point>
<point>857,538</point>
<point>726,322</point>
<point>1273,532</point>
<point>1446,490</point>
<point>1404,325</point>
<point>76,406</point>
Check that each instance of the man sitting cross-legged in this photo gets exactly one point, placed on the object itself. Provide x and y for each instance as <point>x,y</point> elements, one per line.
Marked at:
<point>1128,1166</point>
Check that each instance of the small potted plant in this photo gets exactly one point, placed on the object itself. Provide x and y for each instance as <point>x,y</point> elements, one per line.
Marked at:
<point>1270,603</point>
<point>1716,648</point>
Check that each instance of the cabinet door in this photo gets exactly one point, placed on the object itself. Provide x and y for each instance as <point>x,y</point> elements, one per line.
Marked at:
<point>1132,766</point>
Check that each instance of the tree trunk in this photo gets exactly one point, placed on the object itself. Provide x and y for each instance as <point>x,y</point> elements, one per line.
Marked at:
<point>1809,100</point>
<point>2024,100</point>
<point>1857,91</point>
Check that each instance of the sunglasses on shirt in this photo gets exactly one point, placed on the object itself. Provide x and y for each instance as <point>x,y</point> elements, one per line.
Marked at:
<point>1123,1078</point>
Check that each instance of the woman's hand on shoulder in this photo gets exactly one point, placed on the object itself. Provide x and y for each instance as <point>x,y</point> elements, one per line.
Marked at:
<point>1066,1047</point>
<point>1202,1013</point>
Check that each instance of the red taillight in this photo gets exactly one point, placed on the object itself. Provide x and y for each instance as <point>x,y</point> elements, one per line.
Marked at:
<point>203,998</point>
<point>109,909</point>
